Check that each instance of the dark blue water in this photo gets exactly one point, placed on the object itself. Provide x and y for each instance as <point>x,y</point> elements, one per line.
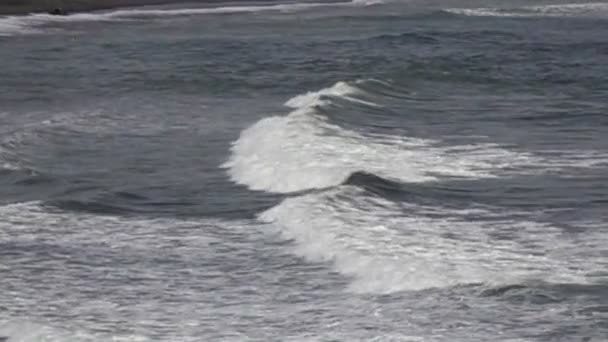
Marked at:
<point>306,172</point>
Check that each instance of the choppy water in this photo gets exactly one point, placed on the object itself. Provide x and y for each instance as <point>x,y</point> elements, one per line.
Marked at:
<point>366,171</point>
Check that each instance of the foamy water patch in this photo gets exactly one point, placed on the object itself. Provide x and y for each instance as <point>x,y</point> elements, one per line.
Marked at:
<point>304,151</point>
<point>387,247</point>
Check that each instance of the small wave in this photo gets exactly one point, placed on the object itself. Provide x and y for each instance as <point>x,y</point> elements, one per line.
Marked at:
<point>387,246</point>
<point>578,9</point>
<point>304,151</point>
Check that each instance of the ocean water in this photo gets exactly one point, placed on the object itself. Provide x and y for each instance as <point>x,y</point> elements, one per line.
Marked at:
<point>354,171</point>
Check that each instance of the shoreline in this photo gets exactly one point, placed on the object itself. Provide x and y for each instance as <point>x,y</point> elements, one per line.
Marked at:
<point>24,7</point>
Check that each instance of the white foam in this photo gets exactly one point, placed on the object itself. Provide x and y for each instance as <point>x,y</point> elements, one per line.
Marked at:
<point>577,9</point>
<point>387,247</point>
<point>303,151</point>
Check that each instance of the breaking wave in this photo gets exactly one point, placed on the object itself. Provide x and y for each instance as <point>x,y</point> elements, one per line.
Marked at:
<point>303,150</point>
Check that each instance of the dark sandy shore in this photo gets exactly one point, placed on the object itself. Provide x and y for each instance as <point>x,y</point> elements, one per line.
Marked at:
<point>30,6</point>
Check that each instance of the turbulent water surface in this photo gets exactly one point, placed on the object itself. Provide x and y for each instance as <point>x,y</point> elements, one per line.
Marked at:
<point>363,171</point>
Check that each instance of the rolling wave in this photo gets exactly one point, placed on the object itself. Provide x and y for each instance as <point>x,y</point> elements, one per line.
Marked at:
<point>596,9</point>
<point>303,150</point>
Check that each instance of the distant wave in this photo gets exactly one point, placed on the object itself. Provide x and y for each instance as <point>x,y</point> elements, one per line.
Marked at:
<point>29,24</point>
<point>577,9</point>
<point>303,150</point>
